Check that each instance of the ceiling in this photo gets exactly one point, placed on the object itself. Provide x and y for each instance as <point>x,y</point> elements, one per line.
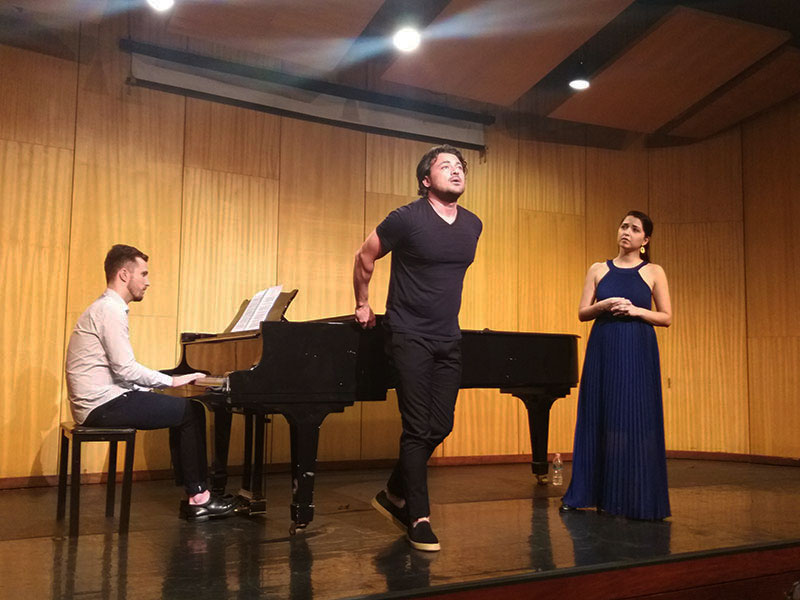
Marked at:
<point>671,71</point>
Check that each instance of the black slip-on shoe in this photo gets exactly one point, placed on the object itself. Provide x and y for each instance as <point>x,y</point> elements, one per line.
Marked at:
<point>215,508</point>
<point>398,516</point>
<point>421,537</point>
<point>566,508</point>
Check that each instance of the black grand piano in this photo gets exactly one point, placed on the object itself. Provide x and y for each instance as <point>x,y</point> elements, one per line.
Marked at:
<point>307,370</point>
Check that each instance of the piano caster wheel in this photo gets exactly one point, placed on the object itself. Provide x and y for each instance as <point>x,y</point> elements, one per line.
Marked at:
<point>542,479</point>
<point>295,526</point>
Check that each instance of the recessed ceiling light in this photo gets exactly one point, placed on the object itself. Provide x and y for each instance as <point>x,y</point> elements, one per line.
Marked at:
<point>406,39</point>
<point>579,83</point>
<point>161,5</point>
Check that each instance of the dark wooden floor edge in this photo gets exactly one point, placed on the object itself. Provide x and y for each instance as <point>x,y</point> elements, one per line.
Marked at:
<point>567,456</point>
<point>676,573</point>
<point>33,481</point>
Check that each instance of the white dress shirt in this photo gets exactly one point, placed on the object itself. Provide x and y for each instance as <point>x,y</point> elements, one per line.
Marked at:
<point>100,361</point>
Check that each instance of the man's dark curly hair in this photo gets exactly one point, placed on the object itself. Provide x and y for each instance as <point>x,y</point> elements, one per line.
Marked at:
<point>424,166</point>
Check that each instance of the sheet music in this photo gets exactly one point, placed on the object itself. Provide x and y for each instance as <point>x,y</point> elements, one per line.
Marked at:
<point>258,309</point>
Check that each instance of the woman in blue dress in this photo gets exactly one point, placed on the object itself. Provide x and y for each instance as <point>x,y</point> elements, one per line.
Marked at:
<point>619,459</point>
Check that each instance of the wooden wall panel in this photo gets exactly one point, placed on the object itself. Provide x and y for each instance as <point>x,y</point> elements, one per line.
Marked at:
<point>552,270</point>
<point>696,204</point>
<point>771,178</point>
<point>321,215</point>
<point>34,227</point>
<point>487,422</point>
<point>229,246</point>
<point>38,93</point>
<point>703,353</point>
<point>232,139</point>
<point>552,177</point>
<point>701,183</point>
<point>772,212</point>
<point>321,225</point>
<point>128,174</point>
<point>774,385</point>
<point>127,189</point>
<point>616,182</point>
<point>392,166</point>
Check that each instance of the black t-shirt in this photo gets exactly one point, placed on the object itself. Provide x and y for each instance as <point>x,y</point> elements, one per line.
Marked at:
<point>429,260</point>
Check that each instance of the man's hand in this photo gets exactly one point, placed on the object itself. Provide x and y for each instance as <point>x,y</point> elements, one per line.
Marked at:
<point>180,380</point>
<point>365,317</point>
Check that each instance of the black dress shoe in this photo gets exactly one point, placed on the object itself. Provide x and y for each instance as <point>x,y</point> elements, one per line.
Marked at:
<point>215,508</point>
<point>566,508</point>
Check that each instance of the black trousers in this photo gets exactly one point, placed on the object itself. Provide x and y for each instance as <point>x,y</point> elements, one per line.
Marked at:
<point>428,377</point>
<point>187,433</point>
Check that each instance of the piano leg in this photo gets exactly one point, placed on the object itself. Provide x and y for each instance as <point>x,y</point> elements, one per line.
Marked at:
<point>252,495</point>
<point>304,424</point>
<point>538,405</point>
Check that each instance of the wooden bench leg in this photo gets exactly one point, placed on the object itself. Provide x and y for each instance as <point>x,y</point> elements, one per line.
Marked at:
<point>127,479</point>
<point>75,491</point>
<point>111,479</point>
<point>63,465</point>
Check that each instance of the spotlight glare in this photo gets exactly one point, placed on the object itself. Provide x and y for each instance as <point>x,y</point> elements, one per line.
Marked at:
<point>406,39</point>
<point>161,5</point>
<point>579,84</point>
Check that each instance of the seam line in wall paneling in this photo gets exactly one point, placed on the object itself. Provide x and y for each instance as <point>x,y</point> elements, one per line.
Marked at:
<point>270,438</point>
<point>181,233</point>
<point>648,153</point>
<point>62,379</point>
<point>744,277</point>
<point>363,236</point>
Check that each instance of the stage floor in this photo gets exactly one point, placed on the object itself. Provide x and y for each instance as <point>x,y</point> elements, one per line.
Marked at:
<point>496,525</point>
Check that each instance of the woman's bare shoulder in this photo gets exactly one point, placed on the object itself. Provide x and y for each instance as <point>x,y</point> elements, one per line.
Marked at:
<point>654,268</point>
<point>598,268</point>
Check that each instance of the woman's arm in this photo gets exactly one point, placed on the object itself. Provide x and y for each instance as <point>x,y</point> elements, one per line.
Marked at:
<point>662,315</point>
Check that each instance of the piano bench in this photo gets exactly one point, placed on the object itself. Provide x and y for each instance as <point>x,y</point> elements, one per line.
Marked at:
<point>80,434</point>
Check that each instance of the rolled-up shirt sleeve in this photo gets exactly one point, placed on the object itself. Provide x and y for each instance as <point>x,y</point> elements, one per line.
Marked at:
<point>115,338</point>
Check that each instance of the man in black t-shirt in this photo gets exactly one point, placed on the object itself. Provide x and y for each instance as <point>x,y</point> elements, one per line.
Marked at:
<point>433,242</point>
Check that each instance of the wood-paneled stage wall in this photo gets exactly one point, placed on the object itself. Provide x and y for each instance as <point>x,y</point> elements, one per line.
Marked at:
<point>228,201</point>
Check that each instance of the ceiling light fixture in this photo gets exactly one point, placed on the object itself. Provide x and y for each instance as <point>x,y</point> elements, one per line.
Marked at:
<point>581,80</point>
<point>161,5</point>
<point>579,83</point>
<point>406,39</point>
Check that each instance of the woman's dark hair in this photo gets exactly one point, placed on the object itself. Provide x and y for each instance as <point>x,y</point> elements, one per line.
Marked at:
<point>424,166</point>
<point>647,226</point>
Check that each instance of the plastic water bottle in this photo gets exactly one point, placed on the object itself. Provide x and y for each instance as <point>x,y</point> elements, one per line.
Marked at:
<point>558,470</point>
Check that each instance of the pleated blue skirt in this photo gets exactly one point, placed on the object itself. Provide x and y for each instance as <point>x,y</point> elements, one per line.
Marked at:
<point>619,458</point>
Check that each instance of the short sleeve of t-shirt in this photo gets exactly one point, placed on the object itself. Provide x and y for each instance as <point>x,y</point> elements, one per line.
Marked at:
<point>393,228</point>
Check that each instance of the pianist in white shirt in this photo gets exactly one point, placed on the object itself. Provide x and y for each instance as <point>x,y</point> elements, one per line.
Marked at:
<point>108,388</point>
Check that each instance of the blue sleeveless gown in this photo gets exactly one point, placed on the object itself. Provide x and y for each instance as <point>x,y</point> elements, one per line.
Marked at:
<point>619,460</point>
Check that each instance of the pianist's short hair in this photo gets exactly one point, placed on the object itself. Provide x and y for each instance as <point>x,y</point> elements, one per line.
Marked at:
<point>424,166</point>
<point>119,256</point>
